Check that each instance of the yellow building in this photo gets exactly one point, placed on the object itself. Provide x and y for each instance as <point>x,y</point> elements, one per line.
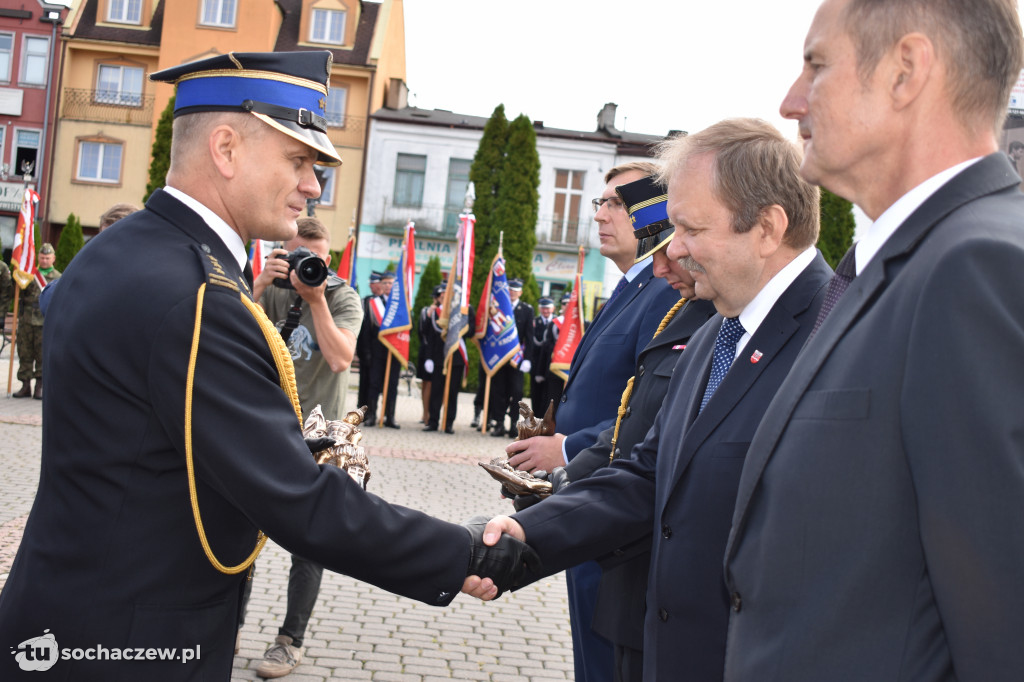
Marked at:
<point>108,109</point>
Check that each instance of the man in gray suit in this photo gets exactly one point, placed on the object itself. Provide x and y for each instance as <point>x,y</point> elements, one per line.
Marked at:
<point>877,530</point>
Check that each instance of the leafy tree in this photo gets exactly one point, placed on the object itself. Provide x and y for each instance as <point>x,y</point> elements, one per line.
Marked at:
<point>837,225</point>
<point>515,211</point>
<point>485,174</point>
<point>70,243</point>
<point>429,278</point>
<point>161,161</point>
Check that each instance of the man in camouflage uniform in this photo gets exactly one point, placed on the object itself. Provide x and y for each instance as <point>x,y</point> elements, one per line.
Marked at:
<point>30,328</point>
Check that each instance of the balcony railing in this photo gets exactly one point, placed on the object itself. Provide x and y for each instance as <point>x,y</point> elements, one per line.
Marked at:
<point>107,106</point>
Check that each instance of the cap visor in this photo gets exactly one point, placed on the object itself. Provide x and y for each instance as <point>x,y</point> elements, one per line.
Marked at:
<point>648,245</point>
<point>327,155</point>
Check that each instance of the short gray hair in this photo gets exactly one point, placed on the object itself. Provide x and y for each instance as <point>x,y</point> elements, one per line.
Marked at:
<point>978,42</point>
<point>754,167</point>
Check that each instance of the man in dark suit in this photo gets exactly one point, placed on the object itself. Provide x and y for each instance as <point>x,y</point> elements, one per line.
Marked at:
<point>877,529</point>
<point>745,225</point>
<point>367,343</point>
<point>381,357</point>
<point>544,336</point>
<point>619,611</point>
<point>172,426</point>
<point>602,365</point>
<point>438,378</point>
<point>507,382</point>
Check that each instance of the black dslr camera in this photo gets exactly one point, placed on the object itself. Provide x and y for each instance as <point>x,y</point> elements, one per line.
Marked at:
<point>308,267</point>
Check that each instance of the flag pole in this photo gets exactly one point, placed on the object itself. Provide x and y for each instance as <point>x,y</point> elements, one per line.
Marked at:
<point>447,384</point>
<point>14,338</point>
<point>387,383</point>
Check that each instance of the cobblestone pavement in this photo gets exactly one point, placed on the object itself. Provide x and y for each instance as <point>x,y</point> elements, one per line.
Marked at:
<point>359,632</point>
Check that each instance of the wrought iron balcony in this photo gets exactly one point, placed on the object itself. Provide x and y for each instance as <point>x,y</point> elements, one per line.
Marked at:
<point>107,106</point>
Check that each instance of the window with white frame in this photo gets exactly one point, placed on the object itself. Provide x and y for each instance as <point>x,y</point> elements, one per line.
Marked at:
<point>6,53</point>
<point>565,220</point>
<point>410,172</point>
<point>119,85</point>
<point>124,11</point>
<point>26,152</point>
<point>34,59</point>
<point>455,199</point>
<point>326,176</point>
<point>336,98</point>
<point>218,13</point>
<point>99,161</point>
<point>327,26</point>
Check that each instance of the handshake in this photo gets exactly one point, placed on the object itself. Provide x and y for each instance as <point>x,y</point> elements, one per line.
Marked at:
<point>499,558</point>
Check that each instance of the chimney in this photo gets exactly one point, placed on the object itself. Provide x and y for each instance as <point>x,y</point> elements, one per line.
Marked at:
<point>606,119</point>
<point>398,94</point>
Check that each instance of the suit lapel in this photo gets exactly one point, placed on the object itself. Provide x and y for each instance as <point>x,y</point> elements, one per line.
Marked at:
<point>991,174</point>
<point>608,315</point>
<point>771,336</point>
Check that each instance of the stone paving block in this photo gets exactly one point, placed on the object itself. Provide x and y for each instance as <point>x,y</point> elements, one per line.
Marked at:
<point>354,621</point>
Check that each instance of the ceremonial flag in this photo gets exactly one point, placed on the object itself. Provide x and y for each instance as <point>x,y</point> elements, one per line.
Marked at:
<point>455,308</point>
<point>496,334</point>
<point>23,256</point>
<point>257,256</point>
<point>396,323</point>
<point>410,260</point>
<point>347,266</point>
<point>572,327</point>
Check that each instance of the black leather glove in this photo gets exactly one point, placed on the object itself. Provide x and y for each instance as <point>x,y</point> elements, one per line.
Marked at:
<point>558,479</point>
<point>315,445</point>
<point>506,563</point>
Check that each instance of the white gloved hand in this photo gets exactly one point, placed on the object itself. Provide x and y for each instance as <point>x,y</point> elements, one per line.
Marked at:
<point>429,366</point>
<point>525,366</point>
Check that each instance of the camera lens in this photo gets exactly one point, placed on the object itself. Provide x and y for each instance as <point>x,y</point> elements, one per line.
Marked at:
<point>311,271</point>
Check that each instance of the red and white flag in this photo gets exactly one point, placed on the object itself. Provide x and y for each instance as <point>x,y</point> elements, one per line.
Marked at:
<point>23,256</point>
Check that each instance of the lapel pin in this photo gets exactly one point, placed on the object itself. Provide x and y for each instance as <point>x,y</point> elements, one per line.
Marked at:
<point>679,347</point>
<point>755,357</point>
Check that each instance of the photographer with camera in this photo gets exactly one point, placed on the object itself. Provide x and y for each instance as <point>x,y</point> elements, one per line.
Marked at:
<point>318,316</point>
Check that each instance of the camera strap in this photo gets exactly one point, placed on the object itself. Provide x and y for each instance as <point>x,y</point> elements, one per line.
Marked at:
<point>293,319</point>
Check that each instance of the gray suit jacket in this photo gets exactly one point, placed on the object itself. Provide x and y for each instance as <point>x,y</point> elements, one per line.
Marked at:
<point>877,530</point>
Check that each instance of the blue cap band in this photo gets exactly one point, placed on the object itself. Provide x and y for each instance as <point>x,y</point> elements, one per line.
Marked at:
<point>231,91</point>
<point>648,215</point>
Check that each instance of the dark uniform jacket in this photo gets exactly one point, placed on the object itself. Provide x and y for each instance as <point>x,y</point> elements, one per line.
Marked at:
<point>110,554</point>
<point>680,483</point>
<point>619,613</point>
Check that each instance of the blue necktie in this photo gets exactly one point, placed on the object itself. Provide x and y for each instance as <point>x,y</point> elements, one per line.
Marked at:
<point>617,290</point>
<point>844,274</point>
<point>725,352</point>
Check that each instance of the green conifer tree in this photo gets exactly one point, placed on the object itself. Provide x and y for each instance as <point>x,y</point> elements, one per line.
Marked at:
<point>515,211</point>
<point>837,226</point>
<point>70,242</point>
<point>485,174</point>
<point>161,159</point>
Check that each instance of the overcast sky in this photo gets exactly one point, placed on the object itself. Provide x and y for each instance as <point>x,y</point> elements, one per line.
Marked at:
<point>668,64</point>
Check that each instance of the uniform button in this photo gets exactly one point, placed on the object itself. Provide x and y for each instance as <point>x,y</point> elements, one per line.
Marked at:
<point>205,248</point>
<point>619,552</point>
<point>663,615</point>
<point>641,372</point>
<point>563,397</point>
<point>629,411</point>
<point>618,452</point>
<point>737,602</point>
<point>666,531</point>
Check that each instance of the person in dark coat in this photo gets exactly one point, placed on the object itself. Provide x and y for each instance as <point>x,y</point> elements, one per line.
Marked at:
<point>172,442</point>
<point>678,487</point>
<point>544,337</point>
<point>367,343</point>
<point>507,382</point>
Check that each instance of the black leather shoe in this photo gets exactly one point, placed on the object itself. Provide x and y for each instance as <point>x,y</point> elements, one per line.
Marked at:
<point>449,429</point>
<point>390,424</point>
<point>498,432</point>
<point>25,392</point>
<point>430,427</point>
<point>475,424</point>
<point>370,420</point>
<point>513,432</point>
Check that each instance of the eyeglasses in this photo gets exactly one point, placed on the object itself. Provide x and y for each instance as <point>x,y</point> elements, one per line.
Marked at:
<point>613,202</point>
